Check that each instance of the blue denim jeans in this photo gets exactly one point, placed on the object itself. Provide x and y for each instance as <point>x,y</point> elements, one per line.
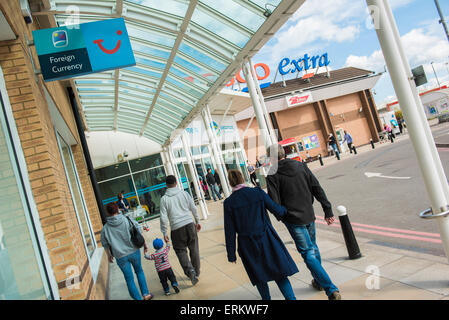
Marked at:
<point>284,285</point>
<point>215,190</point>
<point>305,241</point>
<point>124,264</point>
<point>334,146</point>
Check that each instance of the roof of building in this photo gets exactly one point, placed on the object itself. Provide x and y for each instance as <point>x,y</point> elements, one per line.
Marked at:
<point>319,80</point>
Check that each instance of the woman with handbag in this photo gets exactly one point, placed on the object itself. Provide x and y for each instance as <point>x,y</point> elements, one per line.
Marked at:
<point>122,239</point>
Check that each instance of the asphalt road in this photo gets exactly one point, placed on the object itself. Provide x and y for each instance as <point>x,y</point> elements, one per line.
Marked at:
<point>385,209</point>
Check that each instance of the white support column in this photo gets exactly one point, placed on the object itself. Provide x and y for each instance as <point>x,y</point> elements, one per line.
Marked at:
<point>193,173</point>
<point>273,135</point>
<point>257,107</point>
<point>221,169</point>
<point>167,162</point>
<point>175,170</point>
<point>418,101</point>
<point>417,131</point>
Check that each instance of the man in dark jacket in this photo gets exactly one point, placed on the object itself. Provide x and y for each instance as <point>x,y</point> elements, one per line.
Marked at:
<point>217,180</point>
<point>291,184</point>
<point>213,185</point>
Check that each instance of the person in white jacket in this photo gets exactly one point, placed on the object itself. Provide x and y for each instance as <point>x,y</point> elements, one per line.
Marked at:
<point>177,208</point>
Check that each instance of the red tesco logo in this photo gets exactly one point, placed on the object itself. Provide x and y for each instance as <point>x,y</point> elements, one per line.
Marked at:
<point>240,79</point>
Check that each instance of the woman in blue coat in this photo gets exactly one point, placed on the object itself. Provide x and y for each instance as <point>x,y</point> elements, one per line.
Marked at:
<point>263,254</point>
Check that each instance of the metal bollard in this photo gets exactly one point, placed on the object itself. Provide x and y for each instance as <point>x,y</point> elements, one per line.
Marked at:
<point>348,234</point>
<point>321,160</point>
<point>355,149</point>
<point>372,143</point>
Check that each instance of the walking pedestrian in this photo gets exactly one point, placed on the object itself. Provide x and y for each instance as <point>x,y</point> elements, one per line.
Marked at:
<point>213,185</point>
<point>294,186</point>
<point>217,179</point>
<point>333,143</point>
<point>348,139</point>
<point>400,125</point>
<point>263,254</point>
<point>163,267</point>
<point>116,241</point>
<point>252,173</point>
<point>177,208</point>
<point>391,135</point>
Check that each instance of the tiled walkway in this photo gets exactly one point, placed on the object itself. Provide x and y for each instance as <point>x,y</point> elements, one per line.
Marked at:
<point>402,274</point>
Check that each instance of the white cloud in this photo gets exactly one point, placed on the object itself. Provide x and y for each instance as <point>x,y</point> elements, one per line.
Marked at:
<point>421,46</point>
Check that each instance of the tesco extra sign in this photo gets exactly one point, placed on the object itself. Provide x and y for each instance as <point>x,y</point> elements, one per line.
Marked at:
<point>285,66</point>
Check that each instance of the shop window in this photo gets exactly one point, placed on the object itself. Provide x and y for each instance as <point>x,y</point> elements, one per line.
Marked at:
<point>77,196</point>
<point>204,150</point>
<point>195,151</point>
<point>111,188</point>
<point>23,273</point>
<point>145,163</point>
<point>179,153</point>
<point>110,172</point>
<point>151,187</point>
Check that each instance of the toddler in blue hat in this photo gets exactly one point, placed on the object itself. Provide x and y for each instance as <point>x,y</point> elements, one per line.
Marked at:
<point>163,266</point>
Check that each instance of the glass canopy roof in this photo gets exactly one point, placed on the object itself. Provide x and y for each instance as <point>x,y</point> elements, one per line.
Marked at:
<point>185,51</point>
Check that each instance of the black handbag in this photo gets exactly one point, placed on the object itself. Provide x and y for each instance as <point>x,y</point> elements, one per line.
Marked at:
<point>136,237</point>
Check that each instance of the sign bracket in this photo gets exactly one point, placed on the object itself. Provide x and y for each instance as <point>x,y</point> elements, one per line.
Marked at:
<point>36,70</point>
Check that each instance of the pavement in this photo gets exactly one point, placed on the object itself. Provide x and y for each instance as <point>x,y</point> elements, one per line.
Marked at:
<point>382,273</point>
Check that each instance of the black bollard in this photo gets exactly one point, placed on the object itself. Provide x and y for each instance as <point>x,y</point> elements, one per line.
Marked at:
<point>348,234</point>
<point>372,143</point>
<point>321,160</point>
<point>355,149</point>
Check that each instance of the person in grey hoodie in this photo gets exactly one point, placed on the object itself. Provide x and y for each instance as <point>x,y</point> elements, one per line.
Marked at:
<point>177,208</point>
<point>116,241</point>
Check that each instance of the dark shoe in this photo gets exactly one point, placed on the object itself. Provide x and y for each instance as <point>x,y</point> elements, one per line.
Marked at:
<point>194,280</point>
<point>316,286</point>
<point>167,293</point>
<point>335,296</point>
<point>176,289</point>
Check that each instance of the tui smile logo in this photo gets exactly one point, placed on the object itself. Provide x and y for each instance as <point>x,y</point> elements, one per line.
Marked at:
<point>99,43</point>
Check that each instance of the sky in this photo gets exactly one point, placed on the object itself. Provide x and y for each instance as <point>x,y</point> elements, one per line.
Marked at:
<point>342,28</point>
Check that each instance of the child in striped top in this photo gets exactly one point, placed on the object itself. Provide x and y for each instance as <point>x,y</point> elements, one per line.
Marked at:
<point>163,266</point>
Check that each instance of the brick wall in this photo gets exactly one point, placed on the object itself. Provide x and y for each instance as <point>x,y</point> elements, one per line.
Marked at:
<point>44,163</point>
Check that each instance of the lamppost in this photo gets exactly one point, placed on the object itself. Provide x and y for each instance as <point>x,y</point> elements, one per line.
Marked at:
<point>442,21</point>
<point>438,81</point>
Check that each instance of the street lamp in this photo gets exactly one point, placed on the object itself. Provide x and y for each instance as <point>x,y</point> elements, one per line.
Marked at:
<point>438,81</point>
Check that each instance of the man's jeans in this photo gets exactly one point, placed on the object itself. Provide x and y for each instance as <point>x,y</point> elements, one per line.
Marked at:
<point>183,238</point>
<point>215,191</point>
<point>334,146</point>
<point>284,285</point>
<point>305,240</point>
<point>125,265</point>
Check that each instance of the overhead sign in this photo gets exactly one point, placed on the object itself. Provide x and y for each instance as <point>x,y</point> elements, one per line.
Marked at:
<point>419,76</point>
<point>303,64</point>
<point>285,66</point>
<point>75,50</point>
<point>299,99</point>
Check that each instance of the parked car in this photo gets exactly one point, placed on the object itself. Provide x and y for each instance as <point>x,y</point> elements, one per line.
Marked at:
<point>443,118</point>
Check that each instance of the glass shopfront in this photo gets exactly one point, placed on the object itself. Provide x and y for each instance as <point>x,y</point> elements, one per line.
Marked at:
<point>147,174</point>
<point>23,264</point>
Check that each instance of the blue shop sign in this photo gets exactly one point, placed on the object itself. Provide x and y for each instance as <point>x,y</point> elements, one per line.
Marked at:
<point>75,50</point>
<point>303,64</point>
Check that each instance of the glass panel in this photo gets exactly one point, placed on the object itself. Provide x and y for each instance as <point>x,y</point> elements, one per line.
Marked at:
<point>262,3</point>
<point>78,200</point>
<point>199,56</point>
<point>190,66</point>
<point>148,162</point>
<point>151,187</point>
<point>169,6</point>
<point>219,28</point>
<point>149,35</point>
<point>110,172</point>
<point>179,153</point>
<point>208,164</point>
<point>110,189</point>
<point>195,151</point>
<point>204,149</point>
<point>237,13</point>
<point>137,47</point>
<point>20,277</point>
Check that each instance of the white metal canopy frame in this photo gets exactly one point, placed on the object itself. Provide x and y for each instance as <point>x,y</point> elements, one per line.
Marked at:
<point>186,52</point>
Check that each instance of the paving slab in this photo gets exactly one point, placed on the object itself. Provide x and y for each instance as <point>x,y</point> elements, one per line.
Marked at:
<point>434,278</point>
